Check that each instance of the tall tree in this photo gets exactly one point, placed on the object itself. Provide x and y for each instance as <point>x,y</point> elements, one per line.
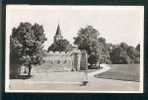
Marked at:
<point>104,49</point>
<point>26,45</point>
<point>138,47</point>
<point>124,45</point>
<point>134,54</point>
<point>87,39</point>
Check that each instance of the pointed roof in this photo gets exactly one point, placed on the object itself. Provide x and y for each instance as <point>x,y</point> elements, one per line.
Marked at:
<point>58,32</point>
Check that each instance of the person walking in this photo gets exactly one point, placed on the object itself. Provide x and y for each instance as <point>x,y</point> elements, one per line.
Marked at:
<point>85,80</point>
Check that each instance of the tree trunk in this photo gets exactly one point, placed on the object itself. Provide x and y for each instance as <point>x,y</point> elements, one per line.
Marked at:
<point>99,65</point>
<point>29,73</point>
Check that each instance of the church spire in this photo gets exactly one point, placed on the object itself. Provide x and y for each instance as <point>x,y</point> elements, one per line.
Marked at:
<point>58,32</point>
<point>58,35</point>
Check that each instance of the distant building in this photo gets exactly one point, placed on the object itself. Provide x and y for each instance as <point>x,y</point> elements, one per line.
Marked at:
<point>58,35</point>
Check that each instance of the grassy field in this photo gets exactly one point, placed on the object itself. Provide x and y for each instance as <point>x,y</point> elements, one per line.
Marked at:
<point>55,73</point>
<point>127,72</point>
<point>45,68</point>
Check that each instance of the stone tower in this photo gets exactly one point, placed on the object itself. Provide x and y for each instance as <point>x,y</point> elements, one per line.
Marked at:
<point>58,35</point>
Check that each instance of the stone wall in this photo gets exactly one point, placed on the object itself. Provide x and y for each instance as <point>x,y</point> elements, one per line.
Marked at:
<point>70,60</point>
<point>58,58</point>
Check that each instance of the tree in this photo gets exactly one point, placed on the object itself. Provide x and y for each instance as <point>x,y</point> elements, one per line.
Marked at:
<point>60,45</point>
<point>130,52</point>
<point>102,40</point>
<point>137,56</point>
<point>104,51</point>
<point>123,57</point>
<point>124,54</point>
<point>93,58</point>
<point>119,56</point>
<point>115,55</point>
<point>134,54</point>
<point>87,39</point>
<point>124,45</point>
<point>26,45</point>
<point>138,47</point>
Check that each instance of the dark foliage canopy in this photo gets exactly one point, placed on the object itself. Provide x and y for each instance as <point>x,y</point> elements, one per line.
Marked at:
<point>26,44</point>
<point>60,45</point>
<point>101,52</point>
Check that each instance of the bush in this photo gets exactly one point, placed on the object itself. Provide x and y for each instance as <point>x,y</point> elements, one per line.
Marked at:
<point>92,59</point>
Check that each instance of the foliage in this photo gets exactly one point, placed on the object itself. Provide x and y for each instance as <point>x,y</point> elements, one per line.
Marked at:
<point>138,47</point>
<point>104,51</point>
<point>87,39</point>
<point>124,54</point>
<point>60,45</point>
<point>101,52</point>
<point>26,44</point>
<point>93,59</point>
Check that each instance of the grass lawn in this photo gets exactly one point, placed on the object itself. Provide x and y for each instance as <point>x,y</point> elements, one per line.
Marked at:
<point>45,68</point>
<point>127,72</point>
<point>55,73</point>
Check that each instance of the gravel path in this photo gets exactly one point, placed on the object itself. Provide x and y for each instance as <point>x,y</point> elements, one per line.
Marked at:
<point>105,68</point>
<point>94,84</point>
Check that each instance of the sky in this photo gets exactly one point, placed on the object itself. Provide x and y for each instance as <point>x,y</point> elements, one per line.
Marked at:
<point>115,23</point>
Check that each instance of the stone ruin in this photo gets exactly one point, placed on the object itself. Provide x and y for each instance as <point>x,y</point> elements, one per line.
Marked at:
<point>66,61</point>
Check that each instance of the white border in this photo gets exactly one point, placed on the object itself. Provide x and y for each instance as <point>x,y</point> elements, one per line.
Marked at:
<point>7,45</point>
